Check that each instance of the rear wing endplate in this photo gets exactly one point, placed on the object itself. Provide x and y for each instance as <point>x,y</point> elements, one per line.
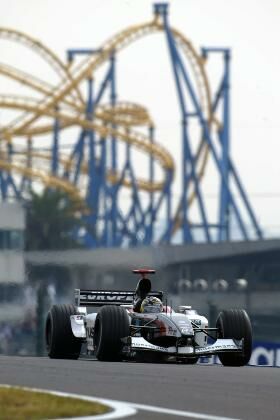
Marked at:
<point>105,297</point>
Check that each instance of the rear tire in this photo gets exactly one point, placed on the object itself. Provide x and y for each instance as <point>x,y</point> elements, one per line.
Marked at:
<point>111,325</point>
<point>60,341</point>
<point>235,323</point>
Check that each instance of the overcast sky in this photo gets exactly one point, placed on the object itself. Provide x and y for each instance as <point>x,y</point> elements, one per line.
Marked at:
<point>250,28</point>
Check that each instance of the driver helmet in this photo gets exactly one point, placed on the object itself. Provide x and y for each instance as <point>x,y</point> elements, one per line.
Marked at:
<point>151,304</point>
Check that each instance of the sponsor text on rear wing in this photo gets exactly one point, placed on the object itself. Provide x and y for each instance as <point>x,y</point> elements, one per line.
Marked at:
<point>105,297</point>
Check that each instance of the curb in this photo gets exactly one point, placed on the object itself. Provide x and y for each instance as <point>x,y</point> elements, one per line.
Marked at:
<point>119,409</point>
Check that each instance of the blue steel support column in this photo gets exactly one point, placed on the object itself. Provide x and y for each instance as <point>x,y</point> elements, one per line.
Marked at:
<point>187,236</point>
<point>162,9</point>
<point>10,160</point>
<point>168,209</point>
<point>79,154</point>
<point>105,238</point>
<point>93,206</point>
<point>188,159</point>
<point>114,156</point>
<point>24,180</point>
<point>150,235</point>
<point>135,215</point>
<point>218,164</point>
<point>2,175</point>
<point>246,202</point>
<point>107,207</point>
<point>132,211</point>
<point>97,175</point>
<point>29,160</point>
<point>55,146</point>
<point>224,232</point>
<point>3,179</point>
<point>10,178</point>
<point>232,170</point>
<point>209,141</point>
<point>2,186</point>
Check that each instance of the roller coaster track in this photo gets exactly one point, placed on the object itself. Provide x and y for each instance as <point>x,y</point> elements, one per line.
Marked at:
<point>49,56</point>
<point>46,179</point>
<point>116,44</point>
<point>65,103</point>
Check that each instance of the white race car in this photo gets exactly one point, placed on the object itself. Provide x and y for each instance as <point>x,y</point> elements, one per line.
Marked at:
<point>120,329</point>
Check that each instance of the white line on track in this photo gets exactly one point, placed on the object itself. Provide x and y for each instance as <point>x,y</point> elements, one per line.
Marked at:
<point>119,409</point>
<point>179,413</point>
<point>123,408</point>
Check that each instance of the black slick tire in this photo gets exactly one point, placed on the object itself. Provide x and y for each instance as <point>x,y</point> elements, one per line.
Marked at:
<point>111,325</point>
<point>235,323</point>
<point>60,341</point>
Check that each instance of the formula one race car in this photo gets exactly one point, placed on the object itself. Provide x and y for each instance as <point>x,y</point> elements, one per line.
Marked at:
<point>135,325</point>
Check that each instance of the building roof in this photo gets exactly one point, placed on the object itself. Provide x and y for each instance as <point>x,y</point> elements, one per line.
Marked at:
<point>152,256</point>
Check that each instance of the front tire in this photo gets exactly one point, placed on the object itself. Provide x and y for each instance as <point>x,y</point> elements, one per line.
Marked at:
<point>60,341</point>
<point>235,323</point>
<point>111,325</point>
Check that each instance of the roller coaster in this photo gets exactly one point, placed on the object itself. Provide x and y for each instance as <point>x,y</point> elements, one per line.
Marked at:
<point>99,147</point>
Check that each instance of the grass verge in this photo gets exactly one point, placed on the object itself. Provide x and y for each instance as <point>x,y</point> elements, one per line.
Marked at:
<point>19,404</point>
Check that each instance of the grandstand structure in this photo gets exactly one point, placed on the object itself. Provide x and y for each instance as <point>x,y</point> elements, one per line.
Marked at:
<point>99,164</point>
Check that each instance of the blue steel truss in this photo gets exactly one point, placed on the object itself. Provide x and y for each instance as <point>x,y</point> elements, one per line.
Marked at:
<point>107,223</point>
<point>224,165</point>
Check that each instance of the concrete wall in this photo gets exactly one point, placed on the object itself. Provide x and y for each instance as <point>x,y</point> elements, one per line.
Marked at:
<point>12,216</point>
<point>11,267</point>
<point>12,225</point>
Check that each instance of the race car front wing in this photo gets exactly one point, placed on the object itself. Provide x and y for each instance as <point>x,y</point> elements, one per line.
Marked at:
<point>219,346</point>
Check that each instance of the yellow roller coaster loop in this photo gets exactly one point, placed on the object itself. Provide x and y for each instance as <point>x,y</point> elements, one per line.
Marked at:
<point>43,51</point>
<point>117,43</point>
<point>137,139</point>
<point>66,104</point>
<point>39,157</point>
<point>48,180</point>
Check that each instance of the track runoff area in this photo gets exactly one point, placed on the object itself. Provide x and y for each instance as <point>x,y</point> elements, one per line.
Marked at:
<point>155,391</point>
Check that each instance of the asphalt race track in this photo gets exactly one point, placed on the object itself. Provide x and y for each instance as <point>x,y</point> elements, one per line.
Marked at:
<point>243,393</point>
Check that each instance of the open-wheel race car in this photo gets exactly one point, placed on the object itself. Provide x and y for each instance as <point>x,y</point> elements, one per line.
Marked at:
<point>136,325</point>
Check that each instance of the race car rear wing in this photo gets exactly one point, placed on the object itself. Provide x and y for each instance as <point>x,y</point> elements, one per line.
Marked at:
<point>105,297</point>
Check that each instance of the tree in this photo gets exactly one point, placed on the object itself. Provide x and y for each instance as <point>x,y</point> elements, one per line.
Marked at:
<point>51,221</point>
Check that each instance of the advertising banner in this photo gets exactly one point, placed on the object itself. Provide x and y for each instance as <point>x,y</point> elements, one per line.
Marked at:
<point>264,353</point>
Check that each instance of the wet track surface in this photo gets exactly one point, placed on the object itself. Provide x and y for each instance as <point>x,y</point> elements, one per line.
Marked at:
<point>244,393</point>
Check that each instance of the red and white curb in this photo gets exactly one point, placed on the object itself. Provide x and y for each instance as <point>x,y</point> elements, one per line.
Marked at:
<point>123,408</point>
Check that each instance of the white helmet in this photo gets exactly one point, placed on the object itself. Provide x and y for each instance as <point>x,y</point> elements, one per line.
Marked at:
<point>151,304</point>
